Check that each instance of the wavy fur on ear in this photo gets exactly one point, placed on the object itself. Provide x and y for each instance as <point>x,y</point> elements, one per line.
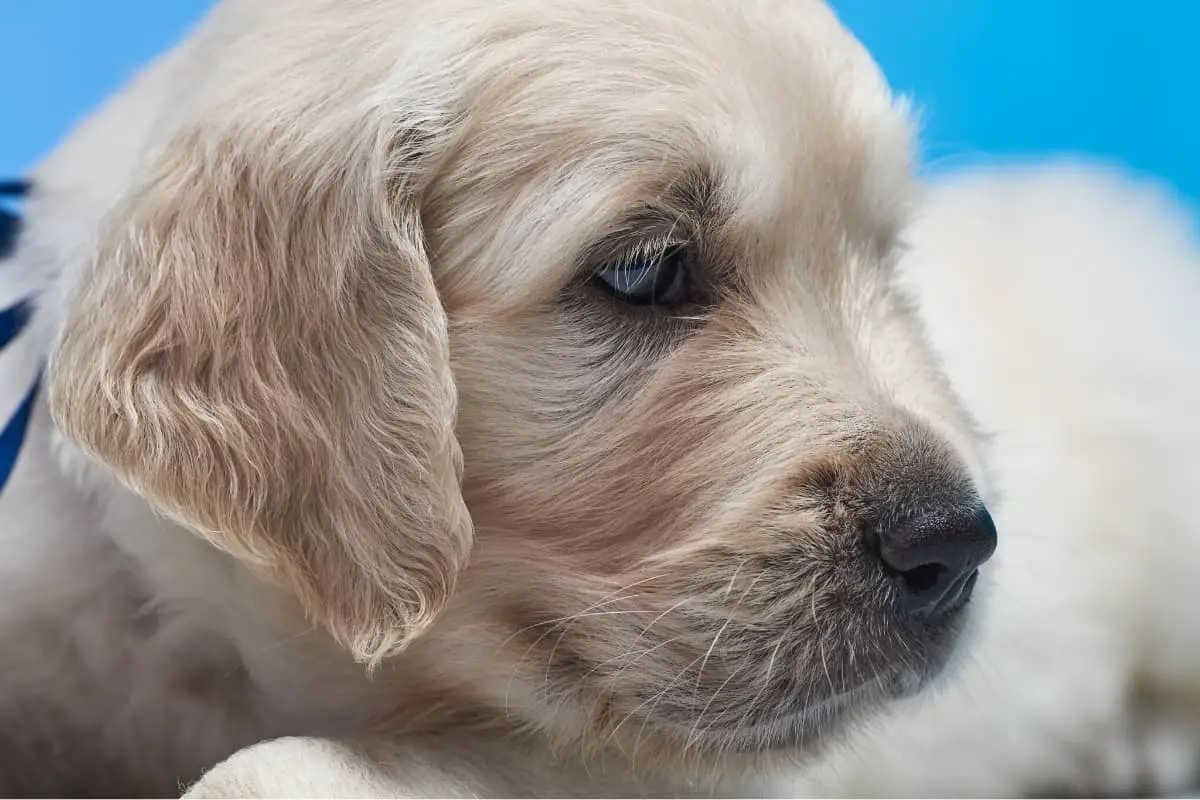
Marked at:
<point>259,349</point>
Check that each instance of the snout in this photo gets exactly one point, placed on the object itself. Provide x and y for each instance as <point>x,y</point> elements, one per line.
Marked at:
<point>933,558</point>
<point>924,530</point>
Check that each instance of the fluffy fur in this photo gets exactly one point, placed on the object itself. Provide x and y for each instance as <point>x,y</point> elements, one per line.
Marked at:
<point>341,441</point>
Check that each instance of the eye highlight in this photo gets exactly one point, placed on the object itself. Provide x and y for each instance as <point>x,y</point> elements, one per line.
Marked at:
<point>658,276</point>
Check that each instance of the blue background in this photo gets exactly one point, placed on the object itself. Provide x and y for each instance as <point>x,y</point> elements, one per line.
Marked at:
<point>993,77</point>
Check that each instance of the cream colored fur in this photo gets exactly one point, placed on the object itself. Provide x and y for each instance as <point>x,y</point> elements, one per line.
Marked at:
<point>342,443</point>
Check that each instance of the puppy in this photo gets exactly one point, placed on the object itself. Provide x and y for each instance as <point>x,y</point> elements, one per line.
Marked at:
<point>540,398</point>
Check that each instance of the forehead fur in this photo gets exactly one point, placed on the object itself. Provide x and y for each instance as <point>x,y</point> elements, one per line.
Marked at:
<point>579,112</point>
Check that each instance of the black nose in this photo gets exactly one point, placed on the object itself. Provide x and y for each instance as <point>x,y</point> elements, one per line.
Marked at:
<point>935,558</point>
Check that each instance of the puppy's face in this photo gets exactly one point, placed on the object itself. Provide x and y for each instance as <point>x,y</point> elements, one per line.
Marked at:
<point>691,400</point>
<point>721,495</point>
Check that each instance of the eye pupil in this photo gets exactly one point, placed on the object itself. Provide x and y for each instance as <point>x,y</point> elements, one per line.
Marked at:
<point>660,278</point>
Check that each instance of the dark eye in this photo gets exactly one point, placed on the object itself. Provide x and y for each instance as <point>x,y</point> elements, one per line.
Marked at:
<point>657,278</point>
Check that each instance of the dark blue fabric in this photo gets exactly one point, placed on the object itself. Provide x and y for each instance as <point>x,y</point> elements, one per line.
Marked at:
<point>10,223</point>
<point>12,321</point>
<point>13,434</point>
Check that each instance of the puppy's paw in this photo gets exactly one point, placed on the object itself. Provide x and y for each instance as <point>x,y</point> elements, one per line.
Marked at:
<point>295,768</point>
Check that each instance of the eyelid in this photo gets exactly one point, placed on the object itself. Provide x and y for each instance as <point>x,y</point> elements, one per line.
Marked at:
<point>635,235</point>
<point>643,251</point>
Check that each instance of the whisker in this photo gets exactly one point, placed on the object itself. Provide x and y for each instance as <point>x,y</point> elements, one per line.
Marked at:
<point>658,619</point>
<point>724,627</point>
<point>766,682</point>
<point>612,597</point>
<point>658,699</point>
<point>696,733</point>
<point>641,705</point>
<point>821,643</point>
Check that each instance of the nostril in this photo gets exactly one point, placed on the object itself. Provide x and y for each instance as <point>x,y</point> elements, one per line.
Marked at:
<point>920,580</point>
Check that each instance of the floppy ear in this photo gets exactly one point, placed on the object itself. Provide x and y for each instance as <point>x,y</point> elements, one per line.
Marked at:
<point>259,350</point>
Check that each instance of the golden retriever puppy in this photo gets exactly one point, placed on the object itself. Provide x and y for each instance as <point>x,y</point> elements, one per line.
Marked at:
<point>537,398</point>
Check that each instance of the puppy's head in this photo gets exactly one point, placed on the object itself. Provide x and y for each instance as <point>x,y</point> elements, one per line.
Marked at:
<point>630,263</point>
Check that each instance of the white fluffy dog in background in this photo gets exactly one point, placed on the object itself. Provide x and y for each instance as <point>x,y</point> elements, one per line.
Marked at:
<point>583,398</point>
